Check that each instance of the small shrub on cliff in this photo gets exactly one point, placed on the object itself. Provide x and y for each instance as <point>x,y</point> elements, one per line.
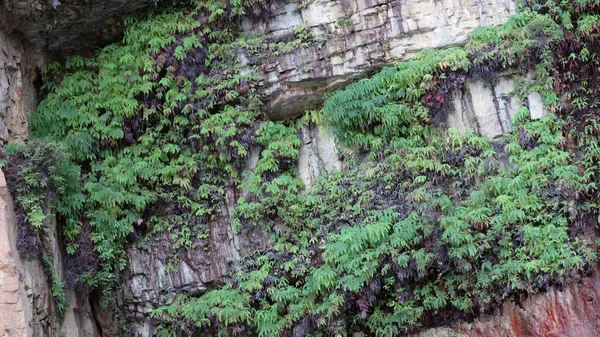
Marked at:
<point>44,181</point>
<point>57,288</point>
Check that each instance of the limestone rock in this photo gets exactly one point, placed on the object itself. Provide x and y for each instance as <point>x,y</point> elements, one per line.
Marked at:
<point>155,274</point>
<point>357,37</point>
<point>318,154</point>
<point>536,106</point>
<point>483,107</point>
<point>442,332</point>
<point>14,311</point>
<point>26,304</point>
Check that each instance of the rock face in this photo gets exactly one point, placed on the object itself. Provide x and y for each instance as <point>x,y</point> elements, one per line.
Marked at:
<point>26,304</point>
<point>17,92</point>
<point>358,37</point>
<point>158,272</point>
<point>483,107</point>
<point>487,107</point>
<point>572,312</point>
<point>27,308</point>
<point>354,39</point>
<point>318,154</point>
<point>65,25</point>
<point>14,311</point>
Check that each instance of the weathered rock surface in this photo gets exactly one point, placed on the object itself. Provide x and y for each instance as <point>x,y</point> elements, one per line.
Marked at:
<point>18,62</point>
<point>358,37</point>
<point>27,308</point>
<point>14,311</point>
<point>319,154</point>
<point>26,304</point>
<point>572,312</point>
<point>157,272</point>
<point>65,24</point>
<point>487,107</point>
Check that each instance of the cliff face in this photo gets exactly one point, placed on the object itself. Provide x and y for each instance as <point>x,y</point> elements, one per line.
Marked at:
<point>26,302</point>
<point>27,307</point>
<point>355,38</point>
<point>64,25</point>
<point>358,37</point>
<point>573,311</point>
<point>17,91</point>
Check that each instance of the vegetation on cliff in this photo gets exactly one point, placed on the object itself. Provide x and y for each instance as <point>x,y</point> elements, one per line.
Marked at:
<point>150,135</point>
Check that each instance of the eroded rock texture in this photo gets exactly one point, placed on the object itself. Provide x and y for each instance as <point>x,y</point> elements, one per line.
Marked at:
<point>26,304</point>
<point>355,39</point>
<point>18,64</point>
<point>156,273</point>
<point>572,312</point>
<point>487,107</point>
<point>14,311</point>
<point>27,308</point>
<point>358,37</point>
<point>62,25</point>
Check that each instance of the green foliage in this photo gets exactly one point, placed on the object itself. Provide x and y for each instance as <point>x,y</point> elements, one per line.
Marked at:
<point>516,43</point>
<point>440,223</point>
<point>44,182</point>
<point>229,306</point>
<point>164,124</point>
<point>57,288</point>
<point>425,230</point>
<point>155,134</point>
<point>273,186</point>
<point>372,111</point>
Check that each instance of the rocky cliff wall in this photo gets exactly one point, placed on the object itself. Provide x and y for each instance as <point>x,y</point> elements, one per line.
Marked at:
<point>66,25</point>
<point>570,312</point>
<point>18,63</point>
<point>27,308</point>
<point>356,38</point>
<point>353,40</point>
<point>26,302</point>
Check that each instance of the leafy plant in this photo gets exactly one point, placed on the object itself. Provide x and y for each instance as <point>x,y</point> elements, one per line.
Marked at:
<point>158,131</point>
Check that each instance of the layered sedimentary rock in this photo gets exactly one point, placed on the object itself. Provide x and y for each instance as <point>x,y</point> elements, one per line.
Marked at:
<point>156,273</point>
<point>14,309</point>
<point>353,40</point>
<point>27,307</point>
<point>487,107</point>
<point>18,71</point>
<point>358,37</point>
